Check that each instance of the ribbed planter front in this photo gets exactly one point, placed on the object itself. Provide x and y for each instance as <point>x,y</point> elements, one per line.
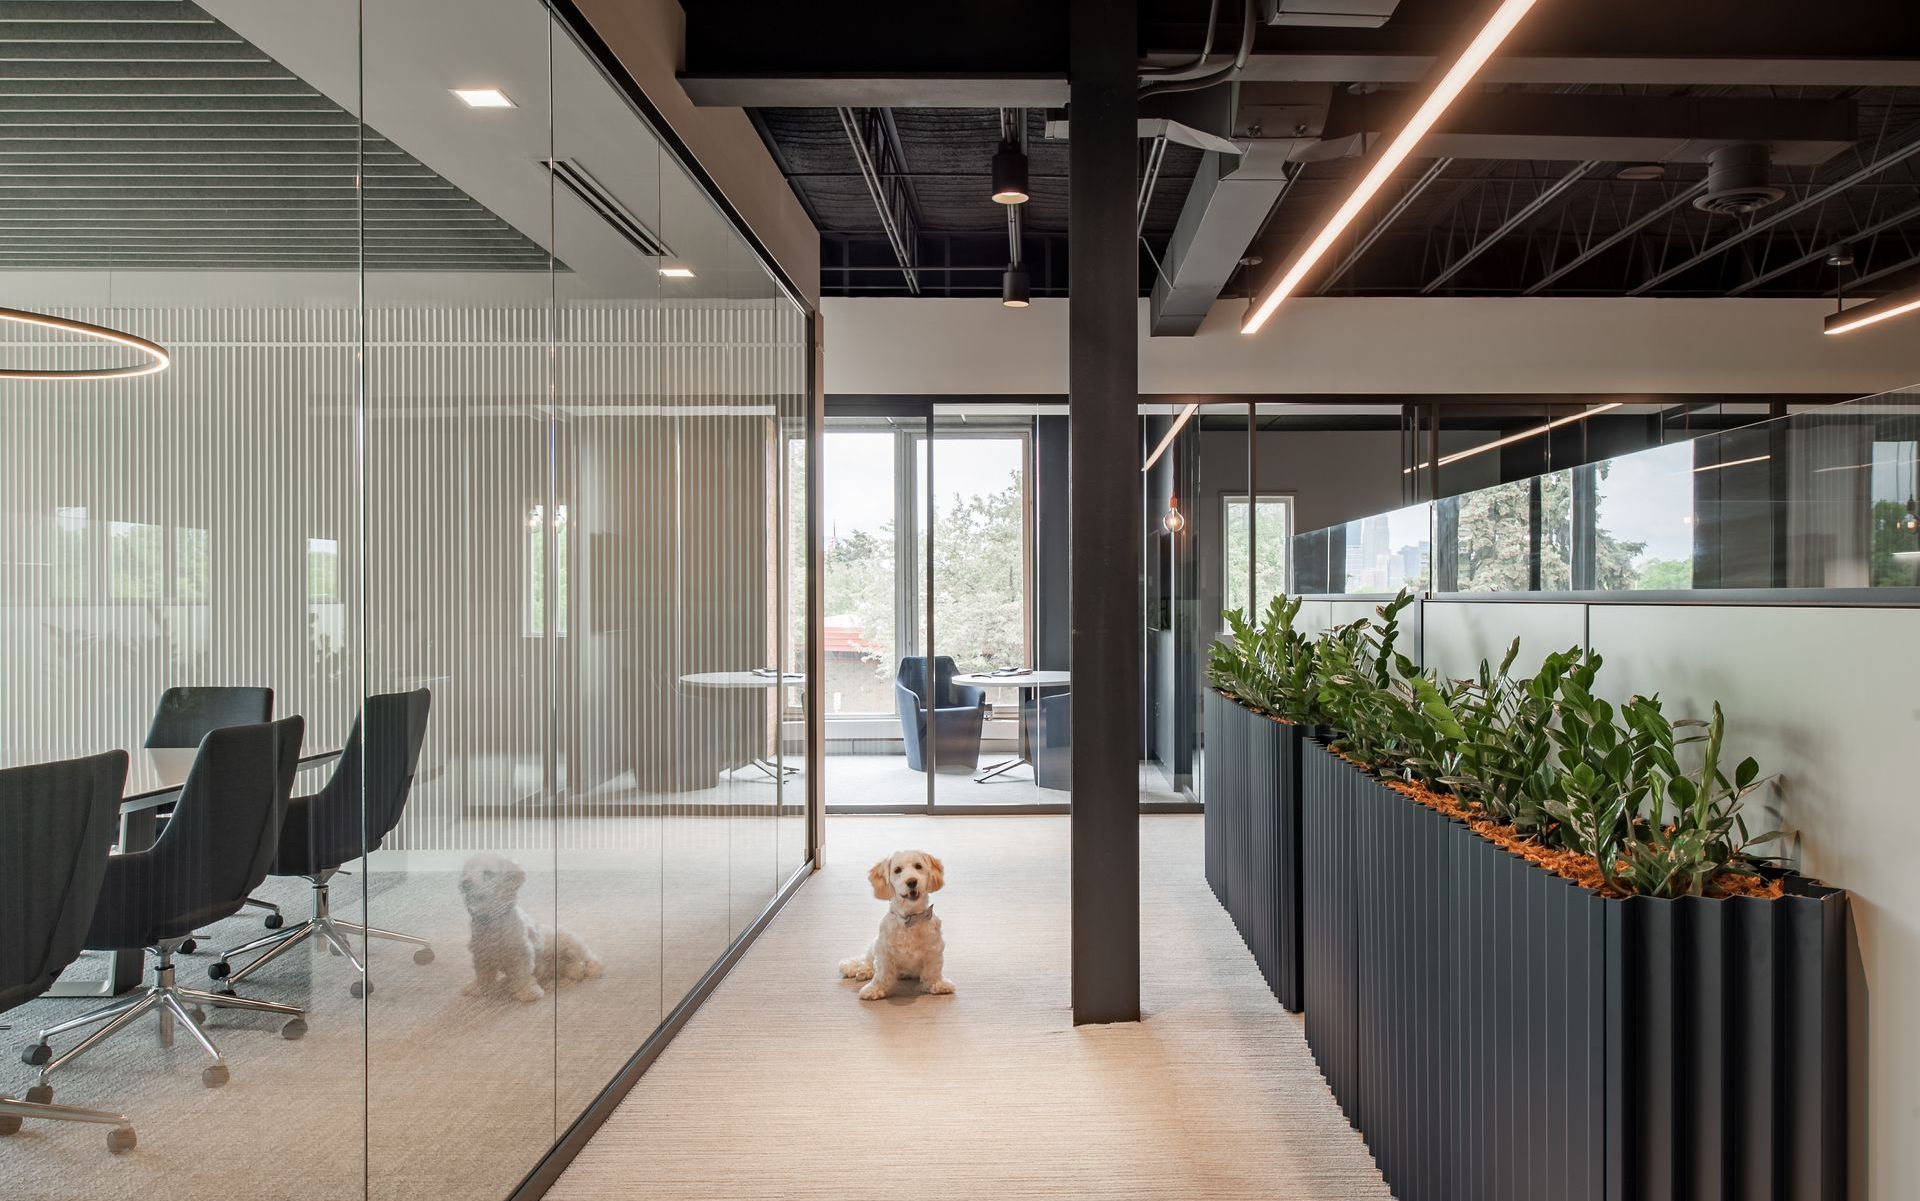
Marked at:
<point>1497,1032</point>
<point>1252,806</point>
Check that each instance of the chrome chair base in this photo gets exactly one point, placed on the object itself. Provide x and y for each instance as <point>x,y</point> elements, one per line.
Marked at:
<point>173,1005</point>
<point>13,1112</point>
<point>322,925</point>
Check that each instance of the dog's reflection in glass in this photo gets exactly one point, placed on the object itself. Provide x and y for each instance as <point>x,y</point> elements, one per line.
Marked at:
<point>511,952</point>
<point>909,945</point>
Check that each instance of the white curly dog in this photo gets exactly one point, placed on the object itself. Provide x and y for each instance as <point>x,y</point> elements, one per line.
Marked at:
<point>908,945</point>
<point>509,949</point>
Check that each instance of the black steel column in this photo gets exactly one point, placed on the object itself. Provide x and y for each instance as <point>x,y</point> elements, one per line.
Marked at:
<point>1103,385</point>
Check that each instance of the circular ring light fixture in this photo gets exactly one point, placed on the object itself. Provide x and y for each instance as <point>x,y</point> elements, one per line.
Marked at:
<point>156,357</point>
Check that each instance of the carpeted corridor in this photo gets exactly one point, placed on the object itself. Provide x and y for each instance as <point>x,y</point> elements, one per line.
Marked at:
<point>786,1086</point>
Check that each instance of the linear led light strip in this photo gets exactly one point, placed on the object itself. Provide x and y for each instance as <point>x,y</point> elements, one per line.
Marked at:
<point>157,357</point>
<point>1444,93</point>
<point>1873,312</point>
<point>1731,463</point>
<point>1510,439</point>
<point>1179,423</point>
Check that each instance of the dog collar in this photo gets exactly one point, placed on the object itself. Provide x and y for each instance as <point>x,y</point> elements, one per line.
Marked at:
<point>909,919</point>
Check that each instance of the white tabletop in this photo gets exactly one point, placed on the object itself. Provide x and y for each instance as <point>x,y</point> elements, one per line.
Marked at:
<point>1033,679</point>
<point>154,774</point>
<point>741,679</point>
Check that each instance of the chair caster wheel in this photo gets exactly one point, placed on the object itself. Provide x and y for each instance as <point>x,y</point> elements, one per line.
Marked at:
<point>121,1138</point>
<point>190,946</point>
<point>214,1076</point>
<point>9,1122</point>
<point>273,921</point>
<point>423,955</point>
<point>41,1094</point>
<point>360,988</point>
<point>294,1028</point>
<point>332,950</point>
<point>198,1014</point>
<point>36,1055</point>
<point>225,992</point>
<point>220,970</point>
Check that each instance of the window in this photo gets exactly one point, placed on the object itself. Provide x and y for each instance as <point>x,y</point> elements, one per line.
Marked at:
<point>191,578</point>
<point>860,509</point>
<point>1273,527</point>
<point>1895,550</point>
<point>980,553</point>
<point>323,571</point>
<point>875,483</point>
<point>536,573</point>
<point>136,561</point>
<point>70,553</point>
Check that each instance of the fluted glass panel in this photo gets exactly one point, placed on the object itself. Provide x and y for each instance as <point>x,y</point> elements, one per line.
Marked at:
<point>483,446</point>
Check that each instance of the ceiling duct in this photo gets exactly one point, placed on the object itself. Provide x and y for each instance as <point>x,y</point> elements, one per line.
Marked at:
<point>1737,181</point>
<point>596,197</point>
<point>1344,14</point>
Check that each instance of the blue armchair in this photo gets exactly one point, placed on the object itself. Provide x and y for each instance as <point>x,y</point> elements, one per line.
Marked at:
<point>958,714</point>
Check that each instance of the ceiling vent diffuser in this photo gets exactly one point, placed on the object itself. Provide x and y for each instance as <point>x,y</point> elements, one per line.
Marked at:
<point>1737,181</point>
<point>596,197</point>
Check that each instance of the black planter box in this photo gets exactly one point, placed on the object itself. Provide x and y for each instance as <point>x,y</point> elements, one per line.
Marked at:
<point>1497,1032</point>
<point>1252,808</point>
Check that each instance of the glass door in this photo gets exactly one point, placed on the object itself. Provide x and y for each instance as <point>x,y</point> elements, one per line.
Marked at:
<point>945,578</point>
<point>978,543</point>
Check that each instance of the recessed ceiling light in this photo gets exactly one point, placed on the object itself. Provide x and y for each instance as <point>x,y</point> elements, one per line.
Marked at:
<point>484,98</point>
<point>677,272</point>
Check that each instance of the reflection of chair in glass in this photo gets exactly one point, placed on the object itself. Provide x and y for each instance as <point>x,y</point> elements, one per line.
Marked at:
<point>323,832</point>
<point>959,712</point>
<point>183,718</point>
<point>214,851</point>
<point>1050,739</point>
<point>57,823</point>
<point>186,714</point>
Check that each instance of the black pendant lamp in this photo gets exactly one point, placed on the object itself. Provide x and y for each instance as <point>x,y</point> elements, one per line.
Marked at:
<point>1009,175</point>
<point>1016,289</point>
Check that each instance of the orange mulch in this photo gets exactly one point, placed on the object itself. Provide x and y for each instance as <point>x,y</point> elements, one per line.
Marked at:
<point>1569,865</point>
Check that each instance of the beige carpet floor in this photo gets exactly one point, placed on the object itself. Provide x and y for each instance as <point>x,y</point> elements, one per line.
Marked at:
<point>419,1093</point>
<point>786,1086</point>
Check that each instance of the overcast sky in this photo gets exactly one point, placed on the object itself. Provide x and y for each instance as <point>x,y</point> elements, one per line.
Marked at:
<point>858,492</point>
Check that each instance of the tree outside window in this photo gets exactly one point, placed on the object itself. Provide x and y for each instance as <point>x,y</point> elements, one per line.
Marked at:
<point>136,561</point>
<point>1273,567</point>
<point>536,573</point>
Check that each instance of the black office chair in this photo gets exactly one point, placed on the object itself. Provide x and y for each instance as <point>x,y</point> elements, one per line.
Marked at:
<point>186,714</point>
<point>183,719</point>
<point>57,825</point>
<point>215,850</point>
<point>322,832</point>
<point>958,714</point>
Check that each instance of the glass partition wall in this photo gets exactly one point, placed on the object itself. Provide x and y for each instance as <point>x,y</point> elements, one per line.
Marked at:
<point>1822,499</point>
<point>493,468</point>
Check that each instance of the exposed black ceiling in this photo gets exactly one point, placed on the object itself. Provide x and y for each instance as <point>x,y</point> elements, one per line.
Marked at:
<point>1531,201</point>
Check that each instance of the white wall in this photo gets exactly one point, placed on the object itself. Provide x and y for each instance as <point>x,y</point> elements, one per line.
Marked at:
<point>1382,345</point>
<point>1825,696</point>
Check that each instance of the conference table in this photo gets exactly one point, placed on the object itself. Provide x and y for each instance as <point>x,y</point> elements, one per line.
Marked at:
<point>759,677</point>
<point>155,776</point>
<point>1024,680</point>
